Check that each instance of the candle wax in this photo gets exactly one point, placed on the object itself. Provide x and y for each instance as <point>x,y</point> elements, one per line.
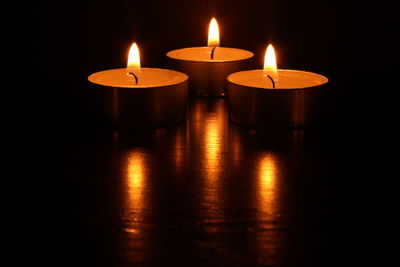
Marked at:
<point>203,54</point>
<point>287,79</point>
<point>147,77</point>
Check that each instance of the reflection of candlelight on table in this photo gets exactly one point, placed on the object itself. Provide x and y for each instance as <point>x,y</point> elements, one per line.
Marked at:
<point>212,146</point>
<point>270,238</point>
<point>207,129</point>
<point>267,189</point>
<point>215,125</point>
<point>212,157</point>
<point>136,173</point>
<point>180,145</point>
<point>235,148</point>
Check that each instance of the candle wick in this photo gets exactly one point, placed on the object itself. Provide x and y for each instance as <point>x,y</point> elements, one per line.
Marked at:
<point>134,76</point>
<point>272,80</point>
<point>212,52</point>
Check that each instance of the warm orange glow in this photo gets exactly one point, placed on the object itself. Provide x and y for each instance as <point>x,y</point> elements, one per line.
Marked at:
<point>134,57</point>
<point>208,127</point>
<point>136,173</point>
<point>213,33</point>
<point>270,208</point>
<point>267,184</point>
<point>213,142</point>
<point>213,127</point>
<point>270,62</point>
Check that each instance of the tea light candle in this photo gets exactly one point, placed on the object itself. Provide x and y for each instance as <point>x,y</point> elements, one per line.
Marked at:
<point>275,97</point>
<point>209,66</point>
<point>143,96</point>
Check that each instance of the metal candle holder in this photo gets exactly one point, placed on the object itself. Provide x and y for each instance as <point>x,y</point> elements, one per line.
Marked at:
<point>208,67</point>
<point>142,106</point>
<point>276,108</point>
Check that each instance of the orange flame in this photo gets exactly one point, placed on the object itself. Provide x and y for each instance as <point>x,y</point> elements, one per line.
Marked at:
<point>270,62</point>
<point>213,33</point>
<point>134,57</point>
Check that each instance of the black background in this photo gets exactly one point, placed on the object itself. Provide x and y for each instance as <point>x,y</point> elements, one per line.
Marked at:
<point>52,46</point>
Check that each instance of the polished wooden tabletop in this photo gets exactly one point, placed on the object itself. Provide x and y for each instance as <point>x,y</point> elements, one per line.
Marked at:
<point>205,192</point>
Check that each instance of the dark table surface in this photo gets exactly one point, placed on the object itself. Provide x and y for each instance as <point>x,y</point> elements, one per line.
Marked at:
<point>205,192</point>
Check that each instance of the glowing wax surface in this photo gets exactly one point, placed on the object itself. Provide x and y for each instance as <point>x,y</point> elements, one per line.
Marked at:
<point>147,77</point>
<point>203,54</point>
<point>287,79</point>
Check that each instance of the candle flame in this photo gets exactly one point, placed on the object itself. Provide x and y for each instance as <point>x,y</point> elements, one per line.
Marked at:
<point>270,62</point>
<point>213,33</point>
<point>134,57</point>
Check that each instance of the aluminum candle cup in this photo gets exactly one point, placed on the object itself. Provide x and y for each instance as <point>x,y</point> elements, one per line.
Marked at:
<point>295,102</point>
<point>136,96</point>
<point>157,99</point>
<point>209,66</point>
<point>208,75</point>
